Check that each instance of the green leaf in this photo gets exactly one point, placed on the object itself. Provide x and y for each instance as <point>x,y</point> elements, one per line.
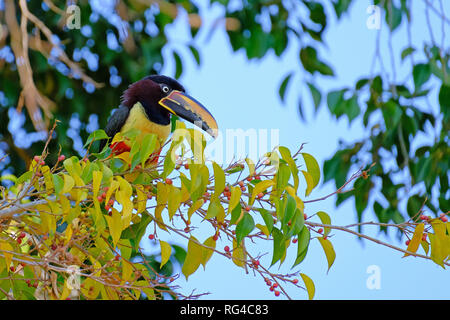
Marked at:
<point>94,136</point>
<point>279,246</point>
<point>335,100</point>
<point>244,227</point>
<point>311,63</point>
<point>283,86</point>
<point>315,94</point>
<point>325,218</point>
<point>444,98</point>
<point>58,183</point>
<point>178,65</point>
<point>352,109</point>
<point>195,54</point>
<point>303,239</point>
<point>406,52</point>
<point>267,217</point>
<point>147,147</point>
<point>421,74</point>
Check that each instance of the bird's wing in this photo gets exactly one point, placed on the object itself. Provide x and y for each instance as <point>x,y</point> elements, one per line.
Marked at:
<point>115,123</point>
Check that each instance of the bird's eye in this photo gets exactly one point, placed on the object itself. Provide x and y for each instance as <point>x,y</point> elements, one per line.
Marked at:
<point>165,89</point>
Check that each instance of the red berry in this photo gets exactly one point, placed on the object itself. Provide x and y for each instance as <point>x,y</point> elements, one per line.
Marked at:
<point>226,248</point>
<point>247,208</point>
<point>168,181</point>
<point>42,163</point>
<point>444,219</point>
<point>424,237</point>
<point>117,257</point>
<point>187,229</point>
<point>277,293</point>
<point>407,242</point>
<point>227,189</point>
<point>151,236</point>
<point>275,285</point>
<point>99,198</point>
<point>305,216</point>
<point>241,183</point>
<point>186,166</point>
<point>320,230</point>
<point>295,281</point>
<point>61,158</point>
<point>260,195</point>
<point>37,159</point>
<point>216,236</point>
<point>12,269</point>
<point>107,207</point>
<point>294,240</point>
<point>256,263</point>
<point>103,195</point>
<point>22,235</point>
<point>423,217</point>
<point>243,188</point>
<point>271,288</point>
<point>19,240</point>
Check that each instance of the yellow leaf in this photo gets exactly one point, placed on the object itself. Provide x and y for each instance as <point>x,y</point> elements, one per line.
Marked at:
<point>90,288</point>
<point>313,168</point>
<point>141,199</point>
<point>195,206</point>
<point>207,253</point>
<point>127,271</point>
<point>194,257</point>
<point>239,254</point>
<point>260,187</point>
<point>416,239</point>
<point>291,191</point>
<point>174,200</point>
<point>123,196</point>
<point>112,187</point>
<point>161,201</point>
<point>96,181</point>
<point>251,166</point>
<point>235,197</point>
<point>329,251</point>
<point>69,182</point>
<point>115,225</point>
<point>4,247</point>
<point>263,229</point>
<point>166,251</point>
<point>309,284</point>
<point>68,234</point>
<point>309,182</point>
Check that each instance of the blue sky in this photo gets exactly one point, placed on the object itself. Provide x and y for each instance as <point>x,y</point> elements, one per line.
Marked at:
<point>243,94</point>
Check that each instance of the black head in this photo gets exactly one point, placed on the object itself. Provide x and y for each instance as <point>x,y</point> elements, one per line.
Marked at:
<point>161,96</point>
<point>149,91</point>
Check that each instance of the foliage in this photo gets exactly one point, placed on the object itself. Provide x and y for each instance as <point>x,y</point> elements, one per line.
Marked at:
<point>75,230</point>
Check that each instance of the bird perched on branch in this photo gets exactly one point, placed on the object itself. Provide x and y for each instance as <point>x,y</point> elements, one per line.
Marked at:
<point>147,105</point>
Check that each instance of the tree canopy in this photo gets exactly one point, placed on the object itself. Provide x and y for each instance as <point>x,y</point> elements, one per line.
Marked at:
<point>60,62</point>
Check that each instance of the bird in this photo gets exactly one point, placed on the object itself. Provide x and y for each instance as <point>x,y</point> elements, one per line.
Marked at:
<point>147,105</point>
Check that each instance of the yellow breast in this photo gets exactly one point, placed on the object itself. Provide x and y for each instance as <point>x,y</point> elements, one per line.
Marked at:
<point>138,119</point>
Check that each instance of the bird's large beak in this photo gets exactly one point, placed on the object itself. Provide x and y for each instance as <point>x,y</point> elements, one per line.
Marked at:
<point>188,108</point>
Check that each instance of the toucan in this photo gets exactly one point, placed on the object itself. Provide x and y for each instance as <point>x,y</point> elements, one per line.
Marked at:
<point>147,105</point>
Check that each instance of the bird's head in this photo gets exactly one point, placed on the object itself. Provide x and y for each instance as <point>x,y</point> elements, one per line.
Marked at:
<point>162,96</point>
